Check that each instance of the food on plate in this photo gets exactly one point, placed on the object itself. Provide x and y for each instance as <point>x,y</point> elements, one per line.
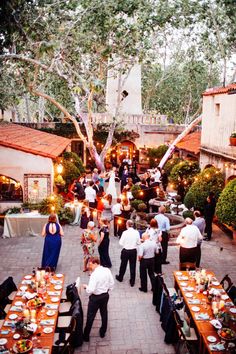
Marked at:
<point>227,333</point>
<point>23,346</point>
<point>36,302</point>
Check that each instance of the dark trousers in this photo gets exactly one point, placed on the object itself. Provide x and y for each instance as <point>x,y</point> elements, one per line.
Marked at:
<point>131,256</point>
<point>198,256</point>
<point>164,245</point>
<point>116,217</point>
<point>97,302</point>
<point>146,266</point>
<point>208,228</point>
<point>157,263</point>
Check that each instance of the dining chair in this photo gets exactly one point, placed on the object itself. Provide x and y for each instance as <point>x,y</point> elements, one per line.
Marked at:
<point>187,265</point>
<point>226,283</point>
<point>63,342</point>
<point>185,344</point>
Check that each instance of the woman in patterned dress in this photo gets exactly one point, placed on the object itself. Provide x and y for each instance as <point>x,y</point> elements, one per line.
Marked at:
<point>88,240</point>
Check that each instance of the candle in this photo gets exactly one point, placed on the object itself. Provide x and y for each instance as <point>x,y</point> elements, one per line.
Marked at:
<point>221,304</point>
<point>42,274</point>
<point>33,315</point>
<point>203,272</point>
<point>214,305</point>
<point>26,314</point>
<point>38,275</point>
<point>215,311</point>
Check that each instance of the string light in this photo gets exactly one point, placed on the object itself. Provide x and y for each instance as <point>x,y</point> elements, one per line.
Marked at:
<point>52,197</point>
<point>119,221</point>
<point>52,208</point>
<point>141,193</point>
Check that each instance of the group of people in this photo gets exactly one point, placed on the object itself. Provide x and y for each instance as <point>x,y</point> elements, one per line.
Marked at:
<point>149,246</point>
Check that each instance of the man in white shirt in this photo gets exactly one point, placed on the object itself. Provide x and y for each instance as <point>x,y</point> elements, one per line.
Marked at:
<point>146,256</point>
<point>90,195</point>
<point>129,240</point>
<point>164,226</point>
<point>100,282</point>
<point>116,211</point>
<point>188,239</point>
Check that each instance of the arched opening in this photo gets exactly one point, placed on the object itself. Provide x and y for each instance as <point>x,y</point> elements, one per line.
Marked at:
<point>127,152</point>
<point>10,190</point>
<point>230,178</point>
<point>208,166</point>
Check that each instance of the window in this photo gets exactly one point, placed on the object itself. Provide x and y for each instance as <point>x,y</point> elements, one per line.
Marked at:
<point>217,109</point>
<point>10,190</point>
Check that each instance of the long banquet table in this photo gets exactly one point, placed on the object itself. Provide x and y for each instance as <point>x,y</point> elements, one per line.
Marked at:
<point>46,316</point>
<point>192,299</point>
<point>26,224</point>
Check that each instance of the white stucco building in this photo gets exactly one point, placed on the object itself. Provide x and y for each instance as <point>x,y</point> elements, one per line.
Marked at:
<point>218,122</point>
<point>26,163</point>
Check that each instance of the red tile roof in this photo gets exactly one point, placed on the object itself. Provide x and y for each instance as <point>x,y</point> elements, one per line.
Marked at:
<point>219,90</point>
<point>32,141</point>
<point>191,143</point>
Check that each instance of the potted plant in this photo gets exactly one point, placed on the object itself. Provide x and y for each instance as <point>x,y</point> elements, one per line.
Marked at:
<point>232,139</point>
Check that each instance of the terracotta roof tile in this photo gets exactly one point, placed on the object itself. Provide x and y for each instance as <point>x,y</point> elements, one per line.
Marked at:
<point>191,143</point>
<point>219,90</point>
<point>32,141</point>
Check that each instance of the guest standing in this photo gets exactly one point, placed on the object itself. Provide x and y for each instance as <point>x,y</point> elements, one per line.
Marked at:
<point>201,224</point>
<point>164,225</point>
<point>116,212</point>
<point>90,195</point>
<point>100,282</point>
<point>88,240</point>
<point>52,231</point>
<point>156,235</point>
<point>103,247</point>
<point>188,239</point>
<point>107,205</point>
<point>85,215</point>
<point>129,240</point>
<point>146,256</point>
<point>125,215</point>
<point>124,178</point>
<point>209,212</point>
<point>164,179</point>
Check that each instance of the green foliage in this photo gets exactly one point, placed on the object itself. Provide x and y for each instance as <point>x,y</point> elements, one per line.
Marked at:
<point>51,204</point>
<point>184,170</point>
<point>58,180</point>
<point>171,163</point>
<point>135,204</point>
<point>70,172</point>
<point>226,206</point>
<point>13,210</point>
<point>65,216</point>
<point>155,154</point>
<point>209,180</point>
<point>73,157</point>
<point>188,214</point>
<point>135,190</point>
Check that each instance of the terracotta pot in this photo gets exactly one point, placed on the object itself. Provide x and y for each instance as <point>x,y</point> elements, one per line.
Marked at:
<point>232,141</point>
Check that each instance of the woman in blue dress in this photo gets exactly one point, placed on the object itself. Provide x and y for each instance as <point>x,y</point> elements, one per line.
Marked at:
<point>52,231</point>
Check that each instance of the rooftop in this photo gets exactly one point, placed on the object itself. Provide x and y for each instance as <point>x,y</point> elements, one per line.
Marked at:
<point>33,141</point>
<point>191,143</point>
<point>219,90</point>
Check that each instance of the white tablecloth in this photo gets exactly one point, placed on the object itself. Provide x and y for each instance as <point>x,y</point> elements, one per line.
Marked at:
<point>28,224</point>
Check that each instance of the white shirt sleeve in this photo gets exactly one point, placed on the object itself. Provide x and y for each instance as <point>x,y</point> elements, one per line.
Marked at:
<point>91,285</point>
<point>140,250</point>
<point>180,237</point>
<point>121,242</point>
<point>111,281</point>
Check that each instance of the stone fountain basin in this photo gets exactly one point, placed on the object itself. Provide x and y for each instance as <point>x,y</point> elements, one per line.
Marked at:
<point>176,223</point>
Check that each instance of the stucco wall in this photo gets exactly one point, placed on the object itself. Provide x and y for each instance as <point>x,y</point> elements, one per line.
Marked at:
<point>15,163</point>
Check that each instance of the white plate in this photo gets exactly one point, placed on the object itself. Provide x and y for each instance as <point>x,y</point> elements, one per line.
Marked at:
<point>57,287</point>
<point>23,288</point>
<point>28,277</point>
<point>51,313</point>
<point>233,310</point>
<point>16,336</point>
<point>216,283</point>
<point>183,283</point>
<point>3,341</point>
<point>211,339</point>
<point>48,330</point>
<point>189,295</point>
<point>190,288</point>
<point>184,277</point>
<point>224,297</point>
<point>195,309</point>
<point>13,316</point>
<point>59,275</point>
<point>18,303</point>
<point>178,273</point>
<point>55,299</point>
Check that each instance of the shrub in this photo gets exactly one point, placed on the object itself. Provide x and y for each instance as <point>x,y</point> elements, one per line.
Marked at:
<point>209,180</point>
<point>155,154</point>
<point>226,206</point>
<point>75,159</point>
<point>185,170</point>
<point>171,163</point>
<point>53,203</point>
<point>188,214</point>
<point>65,216</point>
<point>136,202</point>
<point>135,190</point>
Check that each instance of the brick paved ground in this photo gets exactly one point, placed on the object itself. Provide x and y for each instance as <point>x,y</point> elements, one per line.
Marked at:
<point>134,325</point>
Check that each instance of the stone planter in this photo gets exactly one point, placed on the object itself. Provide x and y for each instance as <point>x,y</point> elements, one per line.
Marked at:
<point>232,141</point>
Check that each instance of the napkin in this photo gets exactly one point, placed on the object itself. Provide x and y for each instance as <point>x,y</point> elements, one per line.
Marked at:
<point>202,316</point>
<point>54,293</point>
<point>32,327</point>
<point>26,282</point>
<point>40,351</point>
<point>16,309</point>
<point>217,347</point>
<point>188,288</point>
<point>9,323</point>
<point>58,282</point>
<point>194,301</point>
<point>183,277</point>
<point>51,306</point>
<point>216,324</point>
<point>29,295</point>
<point>47,322</point>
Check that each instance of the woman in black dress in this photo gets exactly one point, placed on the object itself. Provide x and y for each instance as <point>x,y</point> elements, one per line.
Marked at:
<point>103,247</point>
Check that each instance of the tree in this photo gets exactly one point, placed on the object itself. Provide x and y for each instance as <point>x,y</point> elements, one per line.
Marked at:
<point>209,180</point>
<point>226,206</point>
<point>93,36</point>
<point>184,171</point>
